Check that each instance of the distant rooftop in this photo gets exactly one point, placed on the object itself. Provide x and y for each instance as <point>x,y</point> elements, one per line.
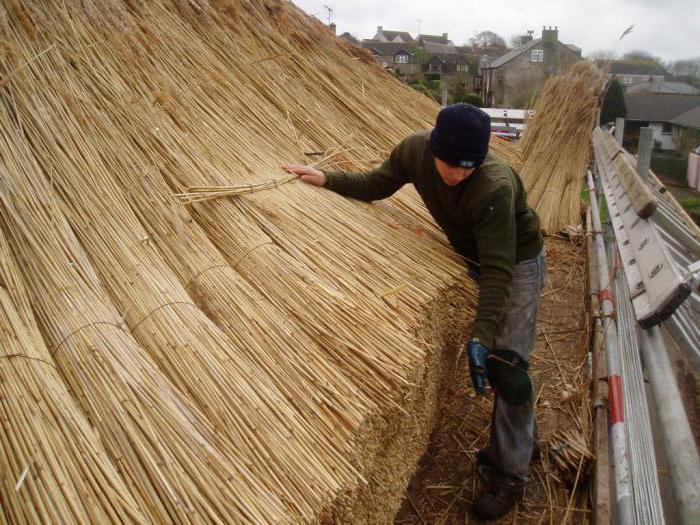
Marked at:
<point>654,107</point>
<point>668,87</point>
<point>688,119</point>
<point>435,39</point>
<point>439,49</point>
<point>387,48</point>
<point>391,36</point>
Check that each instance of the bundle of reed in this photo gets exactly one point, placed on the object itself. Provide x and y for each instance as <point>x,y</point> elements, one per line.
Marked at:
<point>50,457</point>
<point>556,145</point>
<point>221,142</point>
<point>175,466</point>
<point>205,193</point>
<point>508,151</point>
<point>571,455</point>
<point>309,378</point>
<point>194,354</point>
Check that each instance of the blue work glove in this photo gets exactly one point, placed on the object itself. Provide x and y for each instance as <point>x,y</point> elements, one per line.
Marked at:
<point>477,365</point>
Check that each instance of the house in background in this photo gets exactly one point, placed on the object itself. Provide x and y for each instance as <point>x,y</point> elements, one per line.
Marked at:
<point>672,117</point>
<point>432,54</point>
<point>347,36</point>
<point>631,72</point>
<point>444,59</point>
<point>664,87</point>
<point>434,39</point>
<point>513,79</point>
<point>383,35</point>
<point>396,56</point>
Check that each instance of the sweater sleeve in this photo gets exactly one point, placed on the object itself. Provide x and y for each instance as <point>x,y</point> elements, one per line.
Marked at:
<point>377,184</point>
<point>494,228</point>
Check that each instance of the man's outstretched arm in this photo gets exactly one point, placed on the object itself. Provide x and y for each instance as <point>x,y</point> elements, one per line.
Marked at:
<point>377,184</point>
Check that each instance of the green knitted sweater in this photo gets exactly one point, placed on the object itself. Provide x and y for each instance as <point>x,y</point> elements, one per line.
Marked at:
<point>485,217</point>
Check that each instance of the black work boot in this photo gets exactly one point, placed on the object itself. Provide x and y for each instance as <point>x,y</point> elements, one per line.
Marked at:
<point>496,501</point>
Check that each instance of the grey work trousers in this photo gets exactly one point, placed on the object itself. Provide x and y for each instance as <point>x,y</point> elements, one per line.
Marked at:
<point>513,425</point>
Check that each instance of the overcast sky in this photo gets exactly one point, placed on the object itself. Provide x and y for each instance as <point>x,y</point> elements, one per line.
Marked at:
<point>666,28</point>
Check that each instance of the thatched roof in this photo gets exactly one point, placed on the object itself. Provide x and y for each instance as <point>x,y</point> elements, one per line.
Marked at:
<point>259,358</point>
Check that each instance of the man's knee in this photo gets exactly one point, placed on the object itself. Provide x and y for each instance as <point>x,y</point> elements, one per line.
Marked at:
<point>507,373</point>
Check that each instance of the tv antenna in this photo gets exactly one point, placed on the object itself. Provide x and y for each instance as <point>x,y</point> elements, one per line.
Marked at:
<point>330,11</point>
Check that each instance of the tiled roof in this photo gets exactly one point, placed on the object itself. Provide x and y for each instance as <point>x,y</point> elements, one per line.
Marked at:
<point>435,39</point>
<point>387,48</point>
<point>688,119</point>
<point>678,88</point>
<point>439,49</point>
<point>391,35</point>
<point>655,107</point>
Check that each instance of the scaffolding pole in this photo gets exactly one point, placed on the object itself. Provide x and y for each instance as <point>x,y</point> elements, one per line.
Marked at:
<point>677,436</point>
<point>623,489</point>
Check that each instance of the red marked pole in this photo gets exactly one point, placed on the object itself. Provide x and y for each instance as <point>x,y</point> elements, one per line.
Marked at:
<point>618,433</point>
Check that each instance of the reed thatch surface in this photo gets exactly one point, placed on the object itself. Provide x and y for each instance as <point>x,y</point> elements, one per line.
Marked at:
<point>261,358</point>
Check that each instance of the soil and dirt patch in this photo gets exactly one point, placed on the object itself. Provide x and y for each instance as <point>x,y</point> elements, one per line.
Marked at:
<point>446,481</point>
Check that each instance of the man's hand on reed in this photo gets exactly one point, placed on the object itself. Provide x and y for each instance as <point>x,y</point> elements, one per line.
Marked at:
<point>307,174</point>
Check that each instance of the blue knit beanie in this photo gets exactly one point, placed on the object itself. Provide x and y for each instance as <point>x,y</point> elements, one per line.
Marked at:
<point>461,135</point>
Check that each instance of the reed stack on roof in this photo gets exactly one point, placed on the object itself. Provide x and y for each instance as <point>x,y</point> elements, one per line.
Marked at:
<point>170,457</point>
<point>556,145</point>
<point>51,457</point>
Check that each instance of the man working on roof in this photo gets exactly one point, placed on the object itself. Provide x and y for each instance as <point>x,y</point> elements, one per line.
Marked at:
<point>480,204</point>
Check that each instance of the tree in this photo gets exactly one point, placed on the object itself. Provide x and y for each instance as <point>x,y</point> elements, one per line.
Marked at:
<point>474,100</point>
<point>518,40</point>
<point>487,39</point>
<point>687,70</point>
<point>639,55</point>
<point>515,41</point>
<point>613,104</point>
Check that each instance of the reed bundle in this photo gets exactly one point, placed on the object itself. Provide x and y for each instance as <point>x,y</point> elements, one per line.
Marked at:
<point>175,466</point>
<point>50,457</point>
<point>270,336</point>
<point>571,455</point>
<point>557,142</point>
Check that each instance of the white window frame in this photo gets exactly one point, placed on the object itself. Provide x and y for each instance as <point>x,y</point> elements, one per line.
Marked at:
<point>401,59</point>
<point>537,55</point>
<point>462,68</point>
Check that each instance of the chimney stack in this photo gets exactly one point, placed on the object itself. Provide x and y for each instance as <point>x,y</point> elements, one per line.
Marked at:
<point>332,27</point>
<point>550,34</point>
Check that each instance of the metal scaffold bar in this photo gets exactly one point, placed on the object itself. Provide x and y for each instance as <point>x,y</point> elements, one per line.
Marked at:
<point>623,488</point>
<point>642,457</point>
<point>677,436</point>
